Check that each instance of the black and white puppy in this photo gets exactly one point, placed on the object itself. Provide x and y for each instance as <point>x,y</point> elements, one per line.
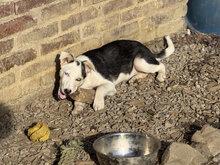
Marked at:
<point>101,69</point>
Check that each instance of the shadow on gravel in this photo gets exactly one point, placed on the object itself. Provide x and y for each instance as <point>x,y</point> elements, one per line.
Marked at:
<point>190,130</point>
<point>7,121</point>
<point>215,124</point>
<point>57,78</point>
<point>26,130</point>
<point>163,147</point>
<point>87,145</point>
<point>58,155</point>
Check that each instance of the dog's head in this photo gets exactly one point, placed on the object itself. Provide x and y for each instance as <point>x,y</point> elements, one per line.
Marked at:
<point>72,74</point>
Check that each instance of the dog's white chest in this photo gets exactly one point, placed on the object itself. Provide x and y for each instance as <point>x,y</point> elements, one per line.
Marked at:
<point>93,80</point>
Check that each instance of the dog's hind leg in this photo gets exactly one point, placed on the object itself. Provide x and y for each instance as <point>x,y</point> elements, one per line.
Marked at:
<point>101,92</point>
<point>141,65</point>
<point>136,77</point>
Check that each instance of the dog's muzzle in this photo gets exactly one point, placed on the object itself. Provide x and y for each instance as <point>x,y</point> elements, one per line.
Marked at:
<point>61,95</point>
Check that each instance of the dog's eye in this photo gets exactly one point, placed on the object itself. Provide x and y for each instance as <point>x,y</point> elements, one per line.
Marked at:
<point>78,79</point>
<point>67,74</point>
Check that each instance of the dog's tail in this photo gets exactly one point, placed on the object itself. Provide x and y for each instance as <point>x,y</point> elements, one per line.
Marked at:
<point>168,51</point>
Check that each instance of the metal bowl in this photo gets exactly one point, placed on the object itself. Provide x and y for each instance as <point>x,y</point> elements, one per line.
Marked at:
<point>126,149</point>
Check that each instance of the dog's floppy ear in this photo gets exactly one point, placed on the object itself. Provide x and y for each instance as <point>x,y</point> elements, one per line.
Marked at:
<point>88,66</point>
<point>65,58</point>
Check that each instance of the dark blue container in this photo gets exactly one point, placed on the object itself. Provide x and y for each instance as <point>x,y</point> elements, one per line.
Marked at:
<point>204,15</point>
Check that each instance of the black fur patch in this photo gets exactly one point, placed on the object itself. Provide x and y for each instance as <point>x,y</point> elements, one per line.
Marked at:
<point>83,70</point>
<point>117,57</point>
<point>77,63</point>
<point>71,61</point>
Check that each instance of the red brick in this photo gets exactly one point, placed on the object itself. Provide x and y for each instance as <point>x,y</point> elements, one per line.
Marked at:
<point>10,93</point>
<point>173,14</point>
<point>91,2</point>
<point>6,9</point>
<point>90,44</point>
<point>149,7</point>
<point>97,1</point>
<point>159,19</point>
<point>30,86</point>
<point>79,18</point>
<point>109,22</point>
<point>124,31</point>
<point>36,68</point>
<point>115,5</point>
<point>140,1</point>
<point>131,14</point>
<point>59,9</point>
<point>99,26</point>
<point>25,5</point>
<point>90,29</point>
<point>167,3</point>
<point>60,42</point>
<point>6,46</point>
<point>164,17</point>
<point>2,68</point>
<point>7,80</point>
<point>178,25</point>
<point>16,25</point>
<point>41,33</point>
<point>18,58</point>
<point>48,79</point>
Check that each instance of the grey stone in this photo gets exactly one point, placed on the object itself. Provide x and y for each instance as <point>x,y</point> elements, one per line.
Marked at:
<point>182,154</point>
<point>208,140</point>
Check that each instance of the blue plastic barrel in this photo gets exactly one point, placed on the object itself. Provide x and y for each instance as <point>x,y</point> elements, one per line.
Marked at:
<point>204,15</point>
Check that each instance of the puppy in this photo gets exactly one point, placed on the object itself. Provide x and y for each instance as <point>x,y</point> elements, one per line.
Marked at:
<point>101,69</point>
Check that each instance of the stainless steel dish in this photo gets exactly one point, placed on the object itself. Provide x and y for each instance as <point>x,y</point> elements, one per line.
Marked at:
<point>127,149</point>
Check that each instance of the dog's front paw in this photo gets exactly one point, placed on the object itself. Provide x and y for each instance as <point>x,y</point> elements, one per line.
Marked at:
<point>161,77</point>
<point>98,104</point>
<point>78,108</point>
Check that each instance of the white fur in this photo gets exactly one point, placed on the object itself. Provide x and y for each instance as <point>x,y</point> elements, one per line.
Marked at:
<point>142,66</point>
<point>69,82</point>
<point>169,50</point>
<point>103,86</point>
<point>125,77</point>
<point>94,80</point>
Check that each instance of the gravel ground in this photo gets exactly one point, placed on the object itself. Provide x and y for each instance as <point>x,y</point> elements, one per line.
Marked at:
<point>171,111</point>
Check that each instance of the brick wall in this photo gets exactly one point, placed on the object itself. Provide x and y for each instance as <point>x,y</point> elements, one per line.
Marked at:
<point>33,32</point>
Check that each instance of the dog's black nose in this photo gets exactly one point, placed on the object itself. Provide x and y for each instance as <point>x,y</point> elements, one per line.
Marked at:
<point>67,91</point>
